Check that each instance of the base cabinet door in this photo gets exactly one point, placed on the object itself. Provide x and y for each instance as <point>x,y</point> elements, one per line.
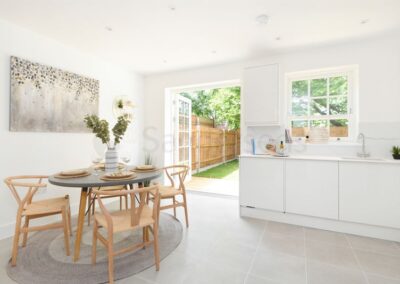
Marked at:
<point>370,193</point>
<point>312,188</point>
<point>261,183</point>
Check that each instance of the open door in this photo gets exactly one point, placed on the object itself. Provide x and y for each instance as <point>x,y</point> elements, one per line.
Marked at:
<point>183,132</point>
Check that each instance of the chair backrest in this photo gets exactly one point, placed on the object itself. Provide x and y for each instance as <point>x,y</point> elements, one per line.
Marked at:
<point>30,182</point>
<point>138,198</point>
<point>179,171</point>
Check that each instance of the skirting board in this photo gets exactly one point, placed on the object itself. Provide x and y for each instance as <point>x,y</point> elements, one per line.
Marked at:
<point>324,224</point>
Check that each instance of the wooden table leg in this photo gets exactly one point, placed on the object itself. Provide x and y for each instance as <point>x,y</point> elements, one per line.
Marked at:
<point>81,221</point>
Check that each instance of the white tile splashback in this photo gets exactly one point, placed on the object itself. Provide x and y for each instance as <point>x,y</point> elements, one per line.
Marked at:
<point>380,137</point>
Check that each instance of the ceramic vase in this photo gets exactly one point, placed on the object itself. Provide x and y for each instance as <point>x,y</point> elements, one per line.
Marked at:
<point>111,160</point>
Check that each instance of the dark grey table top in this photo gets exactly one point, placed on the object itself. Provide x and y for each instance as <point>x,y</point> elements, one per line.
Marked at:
<point>95,181</point>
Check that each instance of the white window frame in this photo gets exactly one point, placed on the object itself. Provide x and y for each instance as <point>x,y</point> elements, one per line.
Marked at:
<point>351,72</point>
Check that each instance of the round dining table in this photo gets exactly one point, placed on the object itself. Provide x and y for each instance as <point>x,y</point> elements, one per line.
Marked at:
<point>94,181</point>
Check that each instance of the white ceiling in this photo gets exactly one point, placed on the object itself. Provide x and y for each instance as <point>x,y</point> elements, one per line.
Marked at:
<point>159,35</point>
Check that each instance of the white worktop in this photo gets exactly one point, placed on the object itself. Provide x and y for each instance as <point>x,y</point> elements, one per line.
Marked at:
<point>325,158</point>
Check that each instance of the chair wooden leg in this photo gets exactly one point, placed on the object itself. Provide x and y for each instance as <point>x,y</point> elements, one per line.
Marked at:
<point>126,202</point>
<point>144,236</point>
<point>174,200</point>
<point>156,248</point>
<point>80,223</point>
<point>69,221</point>
<point>120,203</point>
<point>110,258</point>
<point>16,241</point>
<point>186,211</point>
<point>26,226</point>
<point>66,233</point>
<point>94,243</point>
<point>92,207</point>
<point>89,208</point>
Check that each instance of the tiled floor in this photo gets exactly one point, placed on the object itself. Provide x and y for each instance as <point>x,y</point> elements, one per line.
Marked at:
<point>219,247</point>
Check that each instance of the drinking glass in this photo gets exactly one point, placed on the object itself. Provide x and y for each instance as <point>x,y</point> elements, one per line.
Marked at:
<point>126,159</point>
<point>96,161</point>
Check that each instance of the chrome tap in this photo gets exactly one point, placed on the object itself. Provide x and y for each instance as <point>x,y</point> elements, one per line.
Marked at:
<point>363,153</point>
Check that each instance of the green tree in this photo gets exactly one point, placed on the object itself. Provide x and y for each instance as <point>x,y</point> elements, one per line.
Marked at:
<point>221,105</point>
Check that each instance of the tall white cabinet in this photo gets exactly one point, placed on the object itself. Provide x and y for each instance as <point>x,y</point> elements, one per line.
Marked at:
<point>261,95</point>
<point>262,183</point>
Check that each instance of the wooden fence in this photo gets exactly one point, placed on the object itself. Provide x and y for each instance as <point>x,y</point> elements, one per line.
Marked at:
<point>211,146</point>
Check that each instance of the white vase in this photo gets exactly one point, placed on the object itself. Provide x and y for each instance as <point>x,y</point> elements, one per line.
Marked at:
<point>111,160</point>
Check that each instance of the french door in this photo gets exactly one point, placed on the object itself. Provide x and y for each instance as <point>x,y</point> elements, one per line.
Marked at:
<point>183,131</point>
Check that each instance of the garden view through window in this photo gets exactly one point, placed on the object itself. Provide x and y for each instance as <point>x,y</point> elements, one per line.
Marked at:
<point>322,101</point>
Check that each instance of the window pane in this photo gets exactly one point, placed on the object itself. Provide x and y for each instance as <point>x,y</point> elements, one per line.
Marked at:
<point>299,128</point>
<point>338,86</point>
<point>299,106</point>
<point>318,107</point>
<point>339,128</point>
<point>338,105</point>
<point>319,87</point>
<point>319,123</point>
<point>300,88</point>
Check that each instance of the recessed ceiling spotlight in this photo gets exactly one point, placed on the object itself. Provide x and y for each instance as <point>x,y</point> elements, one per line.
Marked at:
<point>172,8</point>
<point>262,19</point>
<point>213,51</point>
<point>278,38</point>
<point>365,21</point>
<point>164,61</point>
<point>108,28</point>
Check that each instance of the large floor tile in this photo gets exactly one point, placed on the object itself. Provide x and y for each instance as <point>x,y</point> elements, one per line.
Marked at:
<point>135,280</point>
<point>236,255</point>
<point>320,273</point>
<point>207,272</point>
<point>283,244</point>
<point>334,255</point>
<point>377,279</point>
<point>174,269</point>
<point>252,279</point>
<point>328,237</point>
<point>279,267</point>
<point>374,245</point>
<point>375,263</point>
<point>284,229</point>
<point>244,230</point>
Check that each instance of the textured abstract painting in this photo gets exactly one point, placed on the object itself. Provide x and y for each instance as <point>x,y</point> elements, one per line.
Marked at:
<point>47,99</point>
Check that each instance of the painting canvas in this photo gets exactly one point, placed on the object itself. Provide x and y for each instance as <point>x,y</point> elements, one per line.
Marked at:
<point>47,99</point>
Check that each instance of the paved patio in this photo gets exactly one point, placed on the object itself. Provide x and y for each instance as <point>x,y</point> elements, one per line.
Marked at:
<point>226,186</point>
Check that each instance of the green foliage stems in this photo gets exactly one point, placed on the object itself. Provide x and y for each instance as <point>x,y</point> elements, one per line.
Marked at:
<point>100,128</point>
<point>119,129</point>
<point>396,150</point>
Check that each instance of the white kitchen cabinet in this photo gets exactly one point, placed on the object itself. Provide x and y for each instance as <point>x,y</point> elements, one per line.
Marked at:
<point>261,95</point>
<point>369,193</point>
<point>312,188</point>
<point>261,183</point>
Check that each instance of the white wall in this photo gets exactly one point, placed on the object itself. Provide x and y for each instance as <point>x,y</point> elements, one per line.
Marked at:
<point>379,89</point>
<point>47,153</point>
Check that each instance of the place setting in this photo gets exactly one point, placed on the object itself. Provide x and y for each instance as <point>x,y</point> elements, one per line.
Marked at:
<point>73,174</point>
<point>144,169</point>
<point>126,175</point>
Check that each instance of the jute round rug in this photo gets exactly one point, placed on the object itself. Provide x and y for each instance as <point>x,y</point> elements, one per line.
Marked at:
<point>44,261</point>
